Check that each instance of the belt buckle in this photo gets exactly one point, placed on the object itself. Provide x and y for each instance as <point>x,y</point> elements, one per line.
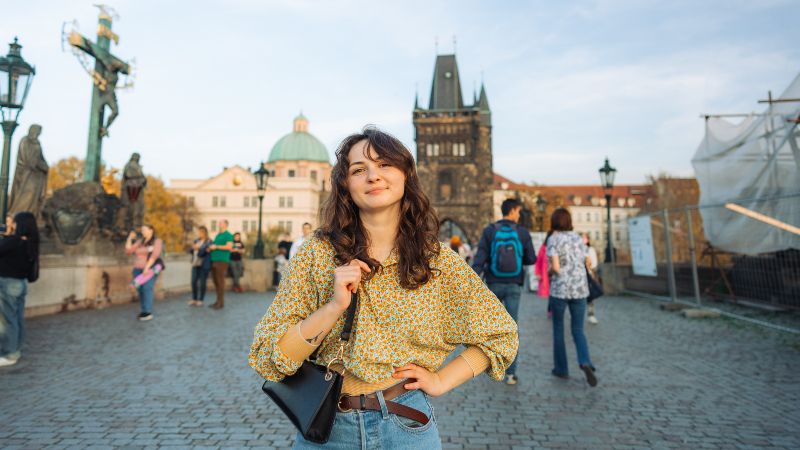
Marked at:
<point>339,403</point>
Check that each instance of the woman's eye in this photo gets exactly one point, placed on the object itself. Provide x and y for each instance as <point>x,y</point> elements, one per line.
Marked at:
<point>386,165</point>
<point>356,171</point>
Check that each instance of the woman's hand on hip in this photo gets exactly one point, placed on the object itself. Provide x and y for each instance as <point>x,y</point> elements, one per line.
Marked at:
<point>345,281</point>
<point>421,378</point>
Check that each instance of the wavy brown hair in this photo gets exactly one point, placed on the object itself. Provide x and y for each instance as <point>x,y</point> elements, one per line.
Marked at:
<point>417,238</point>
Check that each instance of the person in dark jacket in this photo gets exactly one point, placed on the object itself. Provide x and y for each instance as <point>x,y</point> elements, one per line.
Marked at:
<point>201,266</point>
<point>507,289</point>
<point>18,254</point>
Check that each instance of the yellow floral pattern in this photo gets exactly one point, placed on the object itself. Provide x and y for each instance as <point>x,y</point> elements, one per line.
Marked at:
<point>393,326</point>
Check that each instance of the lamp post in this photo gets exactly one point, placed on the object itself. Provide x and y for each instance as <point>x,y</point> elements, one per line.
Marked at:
<point>607,174</point>
<point>15,79</point>
<point>262,175</point>
<point>541,207</point>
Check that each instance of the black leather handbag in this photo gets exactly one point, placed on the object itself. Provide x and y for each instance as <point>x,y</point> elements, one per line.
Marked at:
<point>310,397</point>
<point>595,290</point>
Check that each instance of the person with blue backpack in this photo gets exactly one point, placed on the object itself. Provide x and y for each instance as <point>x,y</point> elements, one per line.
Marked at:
<point>504,248</point>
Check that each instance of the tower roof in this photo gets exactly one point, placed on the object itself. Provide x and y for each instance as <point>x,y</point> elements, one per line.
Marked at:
<point>299,145</point>
<point>446,89</point>
<point>483,101</point>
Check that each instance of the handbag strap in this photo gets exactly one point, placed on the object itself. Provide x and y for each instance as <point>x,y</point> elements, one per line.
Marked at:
<point>351,315</point>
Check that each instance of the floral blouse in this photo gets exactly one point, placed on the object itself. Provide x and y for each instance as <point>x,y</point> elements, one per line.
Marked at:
<point>393,326</point>
<point>570,282</point>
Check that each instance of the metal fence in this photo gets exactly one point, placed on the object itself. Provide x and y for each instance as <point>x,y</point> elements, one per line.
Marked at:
<point>691,271</point>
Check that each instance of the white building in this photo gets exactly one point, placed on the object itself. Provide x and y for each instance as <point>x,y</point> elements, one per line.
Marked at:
<point>587,205</point>
<point>299,169</point>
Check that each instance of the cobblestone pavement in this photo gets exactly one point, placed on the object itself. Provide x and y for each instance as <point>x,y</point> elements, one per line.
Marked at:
<point>100,379</point>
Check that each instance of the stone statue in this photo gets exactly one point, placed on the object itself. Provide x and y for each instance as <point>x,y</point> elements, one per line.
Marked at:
<point>108,97</point>
<point>30,179</point>
<point>133,184</point>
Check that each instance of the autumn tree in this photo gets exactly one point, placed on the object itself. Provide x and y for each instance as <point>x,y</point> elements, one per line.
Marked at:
<point>68,171</point>
<point>271,237</point>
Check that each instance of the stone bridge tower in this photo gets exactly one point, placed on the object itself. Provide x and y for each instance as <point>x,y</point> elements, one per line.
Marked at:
<point>454,154</point>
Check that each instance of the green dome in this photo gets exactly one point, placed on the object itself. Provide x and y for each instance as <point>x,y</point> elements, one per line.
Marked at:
<point>299,145</point>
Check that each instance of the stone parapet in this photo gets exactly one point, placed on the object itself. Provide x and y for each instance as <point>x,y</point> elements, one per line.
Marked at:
<point>68,283</point>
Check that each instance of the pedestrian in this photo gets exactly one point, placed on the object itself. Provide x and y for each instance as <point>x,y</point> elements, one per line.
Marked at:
<point>466,252</point>
<point>541,273</point>
<point>296,245</point>
<point>9,226</point>
<point>569,288</point>
<point>280,264</point>
<point>220,258</point>
<point>236,261</point>
<point>286,243</point>
<point>19,260</point>
<point>461,248</point>
<point>201,266</point>
<point>502,251</point>
<point>417,302</point>
<point>147,250</point>
<point>592,253</point>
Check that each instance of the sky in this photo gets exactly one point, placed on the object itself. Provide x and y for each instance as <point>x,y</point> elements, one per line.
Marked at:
<point>569,83</point>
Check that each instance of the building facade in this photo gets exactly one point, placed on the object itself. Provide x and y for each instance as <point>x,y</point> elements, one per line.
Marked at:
<point>454,154</point>
<point>299,181</point>
<point>587,205</point>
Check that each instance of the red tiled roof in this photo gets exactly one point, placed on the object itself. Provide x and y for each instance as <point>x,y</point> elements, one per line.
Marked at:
<point>639,192</point>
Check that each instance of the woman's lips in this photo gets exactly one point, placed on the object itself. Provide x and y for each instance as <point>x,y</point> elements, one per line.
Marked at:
<point>375,190</point>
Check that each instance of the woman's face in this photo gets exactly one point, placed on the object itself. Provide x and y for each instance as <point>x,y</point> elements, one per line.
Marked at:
<point>203,234</point>
<point>147,232</point>
<point>237,237</point>
<point>585,238</point>
<point>373,185</point>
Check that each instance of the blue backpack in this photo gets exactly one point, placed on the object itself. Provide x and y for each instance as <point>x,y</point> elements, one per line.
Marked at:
<point>506,257</point>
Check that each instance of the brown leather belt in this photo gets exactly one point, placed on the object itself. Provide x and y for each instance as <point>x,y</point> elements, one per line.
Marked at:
<point>370,402</point>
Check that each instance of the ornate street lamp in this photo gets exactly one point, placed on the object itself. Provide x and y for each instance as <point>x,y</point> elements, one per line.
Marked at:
<point>607,174</point>
<point>15,79</point>
<point>262,176</point>
<point>541,206</point>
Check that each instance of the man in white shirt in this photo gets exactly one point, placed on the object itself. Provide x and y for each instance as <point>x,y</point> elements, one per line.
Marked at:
<point>296,245</point>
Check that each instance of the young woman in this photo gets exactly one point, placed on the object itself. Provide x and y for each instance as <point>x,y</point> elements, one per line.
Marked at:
<point>569,288</point>
<point>201,266</point>
<point>591,253</point>
<point>417,302</point>
<point>147,251</point>
<point>236,261</point>
<point>18,253</point>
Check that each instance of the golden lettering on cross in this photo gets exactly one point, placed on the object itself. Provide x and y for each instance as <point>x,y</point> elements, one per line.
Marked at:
<point>103,31</point>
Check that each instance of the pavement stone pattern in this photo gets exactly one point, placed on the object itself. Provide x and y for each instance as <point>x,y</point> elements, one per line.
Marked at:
<point>99,379</point>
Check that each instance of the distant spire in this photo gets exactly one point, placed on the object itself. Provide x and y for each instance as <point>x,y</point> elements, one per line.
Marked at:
<point>474,93</point>
<point>483,102</point>
<point>416,95</point>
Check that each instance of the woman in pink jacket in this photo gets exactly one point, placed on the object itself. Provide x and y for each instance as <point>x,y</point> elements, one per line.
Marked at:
<point>540,269</point>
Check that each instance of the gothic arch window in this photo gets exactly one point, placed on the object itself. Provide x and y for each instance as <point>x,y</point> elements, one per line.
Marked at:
<point>449,228</point>
<point>445,184</point>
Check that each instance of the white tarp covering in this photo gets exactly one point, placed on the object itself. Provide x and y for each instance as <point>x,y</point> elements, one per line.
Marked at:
<point>757,158</point>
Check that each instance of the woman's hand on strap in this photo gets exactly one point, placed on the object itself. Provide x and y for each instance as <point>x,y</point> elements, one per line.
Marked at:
<point>420,378</point>
<point>345,281</point>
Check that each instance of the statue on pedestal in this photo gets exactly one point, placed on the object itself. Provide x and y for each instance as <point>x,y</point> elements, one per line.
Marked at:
<point>133,184</point>
<point>30,178</point>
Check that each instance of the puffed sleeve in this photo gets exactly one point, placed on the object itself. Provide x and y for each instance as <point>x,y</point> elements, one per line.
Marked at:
<point>277,350</point>
<point>470,314</point>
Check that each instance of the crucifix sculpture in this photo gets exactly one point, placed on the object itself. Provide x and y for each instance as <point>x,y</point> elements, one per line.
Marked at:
<point>105,75</point>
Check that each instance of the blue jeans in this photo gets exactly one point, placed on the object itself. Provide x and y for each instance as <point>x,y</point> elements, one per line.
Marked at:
<point>146,294</point>
<point>508,294</point>
<point>199,277</point>
<point>367,430</point>
<point>577,309</point>
<point>12,326</point>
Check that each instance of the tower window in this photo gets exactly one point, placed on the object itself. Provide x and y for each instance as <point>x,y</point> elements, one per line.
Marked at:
<point>462,149</point>
<point>435,149</point>
<point>455,149</point>
<point>445,185</point>
<point>429,149</point>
